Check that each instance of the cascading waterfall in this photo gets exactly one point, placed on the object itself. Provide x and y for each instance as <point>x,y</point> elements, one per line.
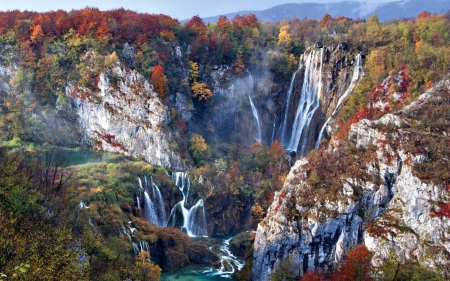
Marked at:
<point>194,219</point>
<point>308,104</point>
<point>254,110</point>
<point>229,263</point>
<point>273,129</point>
<point>154,204</point>
<point>285,135</point>
<point>357,70</point>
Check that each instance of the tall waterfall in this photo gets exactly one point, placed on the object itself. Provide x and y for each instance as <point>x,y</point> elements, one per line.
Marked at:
<point>285,132</point>
<point>193,219</point>
<point>255,111</point>
<point>154,203</point>
<point>308,104</point>
<point>357,70</point>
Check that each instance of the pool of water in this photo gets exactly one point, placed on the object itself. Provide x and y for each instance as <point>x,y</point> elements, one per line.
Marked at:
<point>79,157</point>
<point>229,264</point>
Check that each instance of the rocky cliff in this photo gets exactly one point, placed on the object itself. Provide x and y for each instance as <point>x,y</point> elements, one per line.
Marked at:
<point>376,187</point>
<point>124,114</point>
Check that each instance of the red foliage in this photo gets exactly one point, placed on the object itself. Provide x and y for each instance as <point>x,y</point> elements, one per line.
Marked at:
<point>197,25</point>
<point>311,276</point>
<point>181,125</point>
<point>277,207</point>
<point>357,266</point>
<point>159,81</point>
<point>444,209</point>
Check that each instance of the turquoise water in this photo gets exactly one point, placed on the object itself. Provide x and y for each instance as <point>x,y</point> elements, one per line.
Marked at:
<point>195,273</point>
<point>79,157</point>
<point>229,264</point>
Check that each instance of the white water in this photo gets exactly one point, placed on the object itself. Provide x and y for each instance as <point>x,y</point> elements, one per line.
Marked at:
<point>254,111</point>
<point>273,129</point>
<point>194,219</point>
<point>154,204</point>
<point>357,70</point>
<point>309,102</point>
<point>285,136</point>
<point>229,263</point>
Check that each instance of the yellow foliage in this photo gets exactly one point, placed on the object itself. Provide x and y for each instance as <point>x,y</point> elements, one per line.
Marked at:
<point>198,143</point>
<point>144,269</point>
<point>201,91</point>
<point>111,59</point>
<point>194,71</point>
<point>284,38</point>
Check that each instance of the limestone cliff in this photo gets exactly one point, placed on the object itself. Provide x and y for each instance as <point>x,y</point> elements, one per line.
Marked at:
<point>124,114</point>
<point>367,189</point>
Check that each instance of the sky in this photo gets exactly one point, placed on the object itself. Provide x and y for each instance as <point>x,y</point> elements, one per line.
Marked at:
<point>180,9</point>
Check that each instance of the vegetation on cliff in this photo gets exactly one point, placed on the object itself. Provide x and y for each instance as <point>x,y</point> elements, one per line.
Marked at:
<point>46,232</point>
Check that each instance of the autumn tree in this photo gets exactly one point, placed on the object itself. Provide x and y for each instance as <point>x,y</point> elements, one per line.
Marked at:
<point>144,269</point>
<point>357,266</point>
<point>200,91</point>
<point>198,149</point>
<point>257,214</point>
<point>284,38</point>
<point>159,81</point>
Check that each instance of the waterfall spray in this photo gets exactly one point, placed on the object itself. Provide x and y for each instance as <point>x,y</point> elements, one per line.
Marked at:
<point>194,219</point>
<point>309,102</point>
<point>254,111</point>
<point>355,77</point>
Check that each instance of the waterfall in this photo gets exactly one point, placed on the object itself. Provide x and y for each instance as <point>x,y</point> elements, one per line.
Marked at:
<point>254,110</point>
<point>138,202</point>
<point>308,104</point>
<point>159,204</point>
<point>154,204</point>
<point>194,219</point>
<point>228,262</point>
<point>285,137</point>
<point>273,129</point>
<point>356,73</point>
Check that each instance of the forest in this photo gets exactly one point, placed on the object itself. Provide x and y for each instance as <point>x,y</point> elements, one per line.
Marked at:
<point>46,233</point>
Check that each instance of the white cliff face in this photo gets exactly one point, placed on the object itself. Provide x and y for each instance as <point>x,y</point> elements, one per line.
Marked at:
<point>125,116</point>
<point>387,207</point>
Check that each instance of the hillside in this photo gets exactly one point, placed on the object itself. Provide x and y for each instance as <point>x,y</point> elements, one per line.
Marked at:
<point>328,138</point>
<point>357,10</point>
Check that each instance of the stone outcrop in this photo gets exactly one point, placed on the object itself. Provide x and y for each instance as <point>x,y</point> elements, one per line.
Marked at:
<point>384,205</point>
<point>125,115</point>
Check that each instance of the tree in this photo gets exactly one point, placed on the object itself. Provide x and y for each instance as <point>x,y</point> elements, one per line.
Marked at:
<point>311,276</point>
<point>144,269</point>
<point>193,71</point>
<point>199,149</point>
<point>159,81</point>
<point>284,38</point>
<point>201,91</point>
<point>357,266</point>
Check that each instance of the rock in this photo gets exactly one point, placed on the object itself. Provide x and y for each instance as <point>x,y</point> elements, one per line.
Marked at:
<point>393,212</point>
<point>241,244</point>
<point>125,116</point>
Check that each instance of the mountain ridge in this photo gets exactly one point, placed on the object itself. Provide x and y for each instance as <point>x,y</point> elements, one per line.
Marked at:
<point>386,11</point>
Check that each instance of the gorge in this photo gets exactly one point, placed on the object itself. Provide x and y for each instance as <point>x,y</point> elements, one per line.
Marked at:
<point>248,150</point>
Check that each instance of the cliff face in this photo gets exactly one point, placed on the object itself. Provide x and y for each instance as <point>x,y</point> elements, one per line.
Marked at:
<point>231,113</point>
<point>377,199</point>
<point>124,114</point>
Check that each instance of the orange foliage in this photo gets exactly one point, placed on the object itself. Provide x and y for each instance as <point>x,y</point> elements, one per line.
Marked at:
<point>197,24</point>
<point>357,266</point>
<point>103,30</point>
<point>223,25</point>
<point>159,81</point>
<point>167,35</point>
<point>311,276</point>
<point>37,35</point>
